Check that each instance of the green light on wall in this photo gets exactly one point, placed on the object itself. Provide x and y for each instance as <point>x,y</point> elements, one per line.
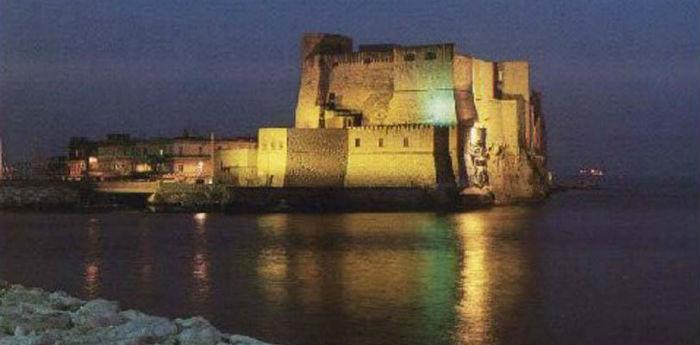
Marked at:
<point>440,110</point>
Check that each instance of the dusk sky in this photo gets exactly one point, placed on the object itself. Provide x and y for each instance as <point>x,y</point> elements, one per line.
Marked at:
<point>620,79</point>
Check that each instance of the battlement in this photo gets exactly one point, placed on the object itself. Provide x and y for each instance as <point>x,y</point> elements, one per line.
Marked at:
<point>382,47</point>
<point>401,127</point>
<point>362,57</point>
<point>389,53</point>
<point>429,52</point>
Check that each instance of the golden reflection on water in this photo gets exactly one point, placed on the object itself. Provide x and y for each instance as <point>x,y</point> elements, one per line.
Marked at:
<point>494,273</point>
<point>473,305</point>
<point>93,261</point>
<point>456,269</point>
<point>272,268</point>
<point>369,276</point>
<point>200,294</point>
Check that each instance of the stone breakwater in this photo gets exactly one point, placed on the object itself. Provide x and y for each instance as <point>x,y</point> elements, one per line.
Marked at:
<point>31,316</point>
<point>38,196</point>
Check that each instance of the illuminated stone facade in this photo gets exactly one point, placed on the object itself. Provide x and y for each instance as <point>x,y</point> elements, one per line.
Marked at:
<point>419,116</point>
<point>186,159</point>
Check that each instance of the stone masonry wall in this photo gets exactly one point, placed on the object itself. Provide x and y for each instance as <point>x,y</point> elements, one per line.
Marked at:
<point>407,85</point>
<point>316,157</point>
<point>362,83</point>
<point>423,86</point>
<point>371,156</point>
<point>38,196</point>
<point>398,156</point>
<point>272,156</point>
<point>391,163</point>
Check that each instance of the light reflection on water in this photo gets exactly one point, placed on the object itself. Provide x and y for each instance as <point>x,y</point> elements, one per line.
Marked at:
<point>200,293</point>
<point>93,260</point>
<point>381,267</point>
<point>504,276</point>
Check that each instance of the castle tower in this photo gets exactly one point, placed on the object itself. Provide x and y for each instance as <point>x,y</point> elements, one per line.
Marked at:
<point>313,88</point>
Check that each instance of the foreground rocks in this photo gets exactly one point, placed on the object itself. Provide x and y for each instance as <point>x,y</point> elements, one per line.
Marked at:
<point>35,317</point>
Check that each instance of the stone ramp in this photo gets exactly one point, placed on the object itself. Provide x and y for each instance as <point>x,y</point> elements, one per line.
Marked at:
<point>30,316</point>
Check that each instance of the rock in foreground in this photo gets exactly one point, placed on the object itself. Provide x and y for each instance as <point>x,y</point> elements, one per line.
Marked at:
<point>30,316</point>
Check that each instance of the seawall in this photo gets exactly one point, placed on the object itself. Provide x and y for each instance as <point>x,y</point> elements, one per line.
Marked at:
<point>40,195</point>
<point>34,316</point>
<point>330,199</point>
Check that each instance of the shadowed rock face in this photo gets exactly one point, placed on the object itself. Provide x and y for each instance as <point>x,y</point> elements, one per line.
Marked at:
<point>33,316</point>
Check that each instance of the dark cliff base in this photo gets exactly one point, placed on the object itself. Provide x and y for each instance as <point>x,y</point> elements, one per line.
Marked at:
<point>73,197</point>
<point>346,199</point>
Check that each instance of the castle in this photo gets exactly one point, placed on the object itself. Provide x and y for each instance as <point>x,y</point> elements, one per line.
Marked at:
<point>386,116</point>
<point>425,116</point>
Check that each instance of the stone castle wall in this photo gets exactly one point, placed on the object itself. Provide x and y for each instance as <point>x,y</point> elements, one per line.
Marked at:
<point>371,156</point>
<point>363,82</point>
<point>404,85</point>
<point>396,156</point>
<point>272,156</point>
<point>423,86</point>
<point>316,158</point>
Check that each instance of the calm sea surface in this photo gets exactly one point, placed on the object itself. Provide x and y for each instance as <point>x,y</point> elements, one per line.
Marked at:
<point>582,268</point>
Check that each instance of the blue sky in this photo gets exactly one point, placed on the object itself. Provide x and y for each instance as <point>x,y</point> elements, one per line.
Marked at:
<point>620,79</point>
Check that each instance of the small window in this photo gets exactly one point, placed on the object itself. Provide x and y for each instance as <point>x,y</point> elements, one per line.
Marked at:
<point>381,142</point>
<point>430,56</point>
<point>409,57</point>
<point>180,168</point>
<point>200,150</point>
<point>405,142</point>
<point>357,142</point>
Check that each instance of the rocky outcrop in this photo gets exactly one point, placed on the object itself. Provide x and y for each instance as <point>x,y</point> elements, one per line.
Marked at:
<point>516,178</point>
<point>35,317</point>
